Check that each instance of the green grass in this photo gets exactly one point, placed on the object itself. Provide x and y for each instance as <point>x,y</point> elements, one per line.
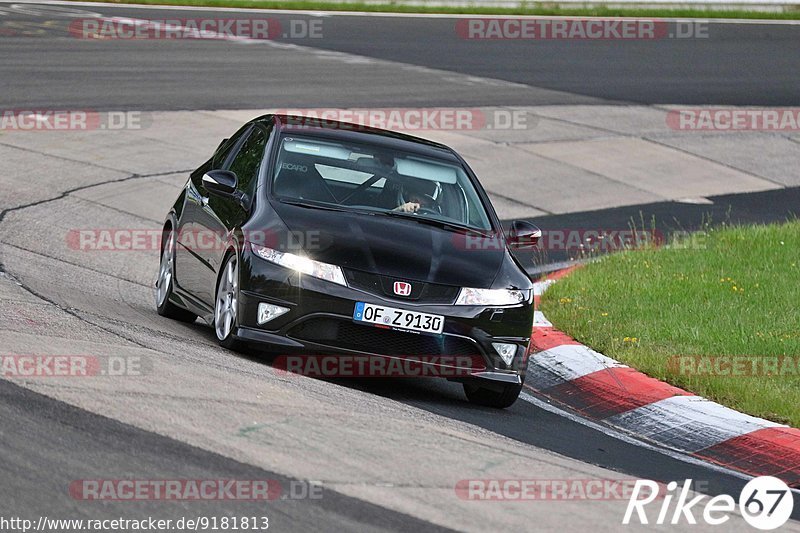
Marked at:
<point>735,294</point>
<point>525,8</point>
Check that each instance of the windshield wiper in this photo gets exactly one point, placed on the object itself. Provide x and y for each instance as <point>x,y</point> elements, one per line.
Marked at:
<point>399,214</point>
<point>315,205</point>
<point>327,207</point>
<point>433,222</point>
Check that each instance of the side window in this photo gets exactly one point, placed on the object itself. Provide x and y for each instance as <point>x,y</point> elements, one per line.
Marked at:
<point>224,149</point>
<point>246,163</point>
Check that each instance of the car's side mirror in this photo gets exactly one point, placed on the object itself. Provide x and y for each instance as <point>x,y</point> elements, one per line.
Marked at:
<point>221,182</point>
<point>523,235</point>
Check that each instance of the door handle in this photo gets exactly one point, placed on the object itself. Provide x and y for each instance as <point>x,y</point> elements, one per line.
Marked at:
<point>204,201</point>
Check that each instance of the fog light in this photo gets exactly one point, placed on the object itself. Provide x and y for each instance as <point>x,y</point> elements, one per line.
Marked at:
<point>506,351</point>
<point>267,312</point>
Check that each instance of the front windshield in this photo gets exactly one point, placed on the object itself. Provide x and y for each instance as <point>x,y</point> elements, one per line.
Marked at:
<point>357,176</point>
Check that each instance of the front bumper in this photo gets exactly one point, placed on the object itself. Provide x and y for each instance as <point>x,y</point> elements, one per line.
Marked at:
<point>320,321</point>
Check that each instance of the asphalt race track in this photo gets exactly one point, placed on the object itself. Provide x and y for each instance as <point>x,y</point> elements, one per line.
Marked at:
<point>736,64</point>
<point>387,453</point>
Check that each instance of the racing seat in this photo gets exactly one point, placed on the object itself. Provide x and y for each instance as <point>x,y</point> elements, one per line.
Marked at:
<point>302,181</point>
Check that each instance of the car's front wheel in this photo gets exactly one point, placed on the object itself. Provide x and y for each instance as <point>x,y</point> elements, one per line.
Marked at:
<point>226,305</point>
<point>501,397</point>
<point>166,280</point>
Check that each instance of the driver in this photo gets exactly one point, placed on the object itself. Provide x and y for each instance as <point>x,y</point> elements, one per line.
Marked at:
<point>414,201</point>
<point>413,204</point>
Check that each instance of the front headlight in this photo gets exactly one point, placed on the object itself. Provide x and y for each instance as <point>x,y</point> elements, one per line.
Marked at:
<point>301,264</point>
<point>490,296</point>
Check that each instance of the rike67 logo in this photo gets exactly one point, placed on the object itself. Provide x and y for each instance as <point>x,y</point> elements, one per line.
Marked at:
<point>765,502</point>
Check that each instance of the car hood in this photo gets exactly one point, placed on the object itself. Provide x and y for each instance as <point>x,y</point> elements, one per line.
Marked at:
<point>390,246</point>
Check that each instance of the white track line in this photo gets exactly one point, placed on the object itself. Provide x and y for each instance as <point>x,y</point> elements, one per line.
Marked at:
<point>677,426</point>
<point>624,437</point>
<point>539,320</point>
<point>573,361</point>
<point>540,286</point>
<point>689,423</point>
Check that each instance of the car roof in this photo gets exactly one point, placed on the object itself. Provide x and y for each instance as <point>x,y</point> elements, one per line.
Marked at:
<point>346,131</point>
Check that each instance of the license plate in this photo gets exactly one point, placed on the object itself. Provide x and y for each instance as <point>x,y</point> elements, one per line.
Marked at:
<point>390,317</point>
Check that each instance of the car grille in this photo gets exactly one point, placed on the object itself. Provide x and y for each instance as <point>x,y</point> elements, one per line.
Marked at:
<point>344,334</point>
<point>383,286</point>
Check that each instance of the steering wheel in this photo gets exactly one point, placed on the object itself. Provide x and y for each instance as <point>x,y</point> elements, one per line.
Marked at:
<point>435,210</point>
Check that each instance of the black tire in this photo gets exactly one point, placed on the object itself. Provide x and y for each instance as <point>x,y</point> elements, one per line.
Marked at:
<point>501,397</point>
<point>229,283</point>
<point>166,281</point>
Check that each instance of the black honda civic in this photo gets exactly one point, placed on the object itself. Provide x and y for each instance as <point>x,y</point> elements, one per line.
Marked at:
<point>327,238</point>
